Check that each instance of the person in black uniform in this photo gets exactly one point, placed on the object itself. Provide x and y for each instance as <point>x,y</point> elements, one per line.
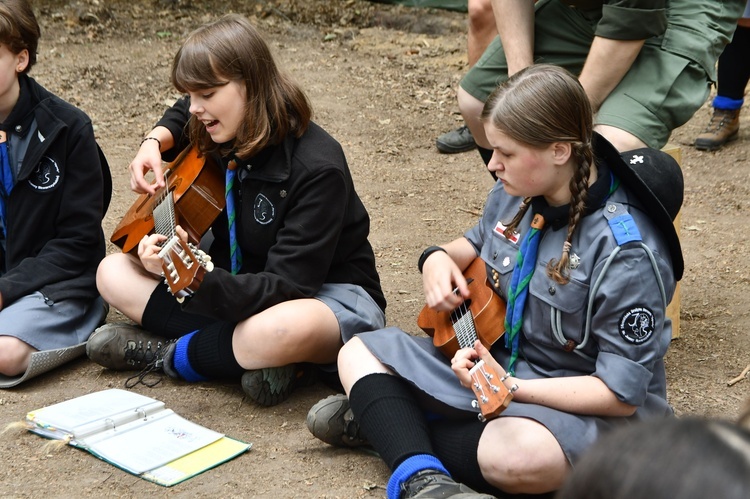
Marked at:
<point>294,274</point>
<point>54,191</point>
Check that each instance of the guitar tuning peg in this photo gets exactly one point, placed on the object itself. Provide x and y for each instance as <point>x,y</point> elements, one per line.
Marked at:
<point>475,404</point>
<point>481,418</point>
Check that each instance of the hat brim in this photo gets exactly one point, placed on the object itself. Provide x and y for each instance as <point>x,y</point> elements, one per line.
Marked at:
<point>648,198</point>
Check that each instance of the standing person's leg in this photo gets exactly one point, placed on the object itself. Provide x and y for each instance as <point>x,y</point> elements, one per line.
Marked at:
<point>733,76</point>
<point>562,37</point>
<point>482,29</point>
<point>481,32</point>
<point>661,92</point>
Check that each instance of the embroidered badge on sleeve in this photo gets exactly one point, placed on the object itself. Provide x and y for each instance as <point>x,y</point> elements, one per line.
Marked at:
<point>637,325</point>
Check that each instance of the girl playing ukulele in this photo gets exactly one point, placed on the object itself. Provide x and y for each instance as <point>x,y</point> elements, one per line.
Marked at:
<point>586,265</point>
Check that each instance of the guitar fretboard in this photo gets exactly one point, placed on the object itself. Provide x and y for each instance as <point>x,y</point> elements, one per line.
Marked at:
<point>165,220</point>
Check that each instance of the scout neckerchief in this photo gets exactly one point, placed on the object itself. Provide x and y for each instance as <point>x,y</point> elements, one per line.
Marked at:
<point>519,288</point>
<point>6,178</point>
<point>234,249</point>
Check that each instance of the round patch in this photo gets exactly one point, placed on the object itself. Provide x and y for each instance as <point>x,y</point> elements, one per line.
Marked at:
<point>637,325</point>
<point>46,176</point>
<point>263,210</point>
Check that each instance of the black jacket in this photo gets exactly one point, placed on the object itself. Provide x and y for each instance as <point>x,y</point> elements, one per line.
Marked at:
<point>54,239</point>
<point>300,224</point>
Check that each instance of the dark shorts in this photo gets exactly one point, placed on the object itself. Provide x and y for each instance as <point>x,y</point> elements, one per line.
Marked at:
<point>661,91</point>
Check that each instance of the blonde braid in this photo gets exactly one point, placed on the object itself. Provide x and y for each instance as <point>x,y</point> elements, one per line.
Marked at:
<point>512,227</point>
<point>559,270</point>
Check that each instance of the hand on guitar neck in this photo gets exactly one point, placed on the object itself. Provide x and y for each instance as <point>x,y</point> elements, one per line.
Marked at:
<point>477,370</point>
<point>180,263</point>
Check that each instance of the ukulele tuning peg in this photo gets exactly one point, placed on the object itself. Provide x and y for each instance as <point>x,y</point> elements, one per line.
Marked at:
<point>481,418</point>
<point>475,404</point>
<point>495,388</point>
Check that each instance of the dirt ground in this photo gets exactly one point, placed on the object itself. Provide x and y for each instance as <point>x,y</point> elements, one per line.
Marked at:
<point>382,80</point>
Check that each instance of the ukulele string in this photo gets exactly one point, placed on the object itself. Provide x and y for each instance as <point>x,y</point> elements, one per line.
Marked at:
<point>463,324</point>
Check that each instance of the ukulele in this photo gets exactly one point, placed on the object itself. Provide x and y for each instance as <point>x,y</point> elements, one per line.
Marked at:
<point>193,195</point>
<point>479,317</point>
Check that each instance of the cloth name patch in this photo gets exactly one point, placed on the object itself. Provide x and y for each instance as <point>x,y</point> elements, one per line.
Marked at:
<point>500,229</point>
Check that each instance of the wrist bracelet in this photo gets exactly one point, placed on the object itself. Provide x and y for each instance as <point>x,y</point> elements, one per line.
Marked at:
<point>151,138</point>
<point>426,253</point>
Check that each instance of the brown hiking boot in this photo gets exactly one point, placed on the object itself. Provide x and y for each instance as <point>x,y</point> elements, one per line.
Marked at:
<point>723,127</point>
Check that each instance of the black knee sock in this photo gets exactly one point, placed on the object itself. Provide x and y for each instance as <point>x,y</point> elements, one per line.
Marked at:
<point>486,155</point>
<point>210,352</point>
<point>390,418</point>
<point>733,70</point>
<point>455,443</point>
<point>163,316</point>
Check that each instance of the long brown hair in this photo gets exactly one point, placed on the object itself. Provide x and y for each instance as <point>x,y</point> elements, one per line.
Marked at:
<point>232,49</point>
<point>538,106</point>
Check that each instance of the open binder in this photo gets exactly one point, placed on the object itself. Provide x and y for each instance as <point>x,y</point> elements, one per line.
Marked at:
<point>137,434</point>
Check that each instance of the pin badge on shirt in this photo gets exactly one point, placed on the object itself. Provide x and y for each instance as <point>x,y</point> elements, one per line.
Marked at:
<point>636,159</point>
<point>575,261</point>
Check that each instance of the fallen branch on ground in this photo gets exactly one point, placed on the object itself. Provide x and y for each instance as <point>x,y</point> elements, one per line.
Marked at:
<point>739,378</point>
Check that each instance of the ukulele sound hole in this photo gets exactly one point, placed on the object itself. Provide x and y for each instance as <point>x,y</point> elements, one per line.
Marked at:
<point>461,311</point>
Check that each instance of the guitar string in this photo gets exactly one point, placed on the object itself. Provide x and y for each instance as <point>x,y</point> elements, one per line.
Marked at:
<point>165,219</point>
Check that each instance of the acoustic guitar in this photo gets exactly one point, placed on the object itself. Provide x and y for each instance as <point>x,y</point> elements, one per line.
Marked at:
<point>194,192</point>
<point>480,317</point>
<point>193,197</point>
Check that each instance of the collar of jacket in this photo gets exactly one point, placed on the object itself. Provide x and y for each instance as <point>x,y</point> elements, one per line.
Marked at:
<point>21,116</point>
<point>48,124</point>
<point>272,164</point>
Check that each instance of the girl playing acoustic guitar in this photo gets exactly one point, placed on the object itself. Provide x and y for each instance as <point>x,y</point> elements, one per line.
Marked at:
<point>586,265</point>
<point>294,274</point>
